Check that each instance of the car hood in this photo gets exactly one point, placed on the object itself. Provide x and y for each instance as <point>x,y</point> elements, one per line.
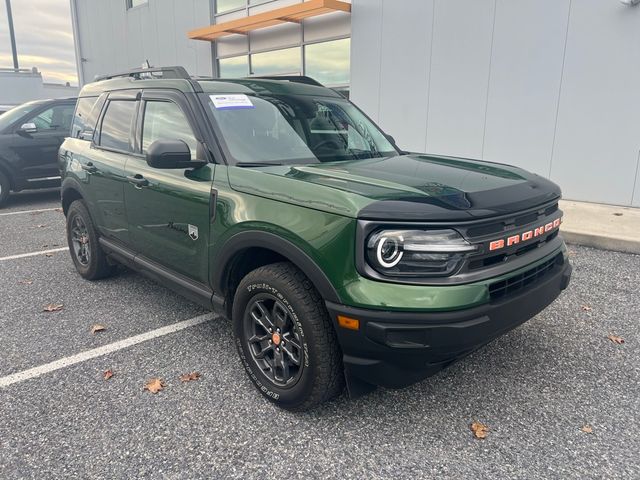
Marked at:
<point>406,187</point>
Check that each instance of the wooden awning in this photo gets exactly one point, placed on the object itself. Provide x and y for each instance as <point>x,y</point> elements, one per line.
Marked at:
<point>294,13</point>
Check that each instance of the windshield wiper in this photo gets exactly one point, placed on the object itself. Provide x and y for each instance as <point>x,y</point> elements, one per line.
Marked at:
<point>258,164</point>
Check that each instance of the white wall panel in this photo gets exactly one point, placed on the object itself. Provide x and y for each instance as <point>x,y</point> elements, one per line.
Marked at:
<point>459,76</point>
<point>598,132</point>
<point>366,45</point>
<point>526,71</point>
<point>403,106</point>
<point>113,38</point>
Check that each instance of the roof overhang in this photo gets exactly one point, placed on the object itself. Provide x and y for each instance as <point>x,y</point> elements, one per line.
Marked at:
<point>294,13</point>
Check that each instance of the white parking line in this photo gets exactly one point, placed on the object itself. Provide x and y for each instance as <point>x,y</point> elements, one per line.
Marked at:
<point>33,254</point>
<point>100,351</point>
<point>19,212</point>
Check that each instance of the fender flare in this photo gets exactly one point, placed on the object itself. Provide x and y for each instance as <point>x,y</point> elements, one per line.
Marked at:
<point>259,239</point>
<point>70,184</point>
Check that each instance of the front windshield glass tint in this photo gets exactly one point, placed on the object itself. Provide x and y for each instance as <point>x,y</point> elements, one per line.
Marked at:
<point>7,118</point>
<point>298,129</point>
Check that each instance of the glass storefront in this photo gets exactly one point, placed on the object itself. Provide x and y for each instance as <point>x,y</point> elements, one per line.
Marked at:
<point>234,67</point>
<point>277,62</point>
<point>326,62</point>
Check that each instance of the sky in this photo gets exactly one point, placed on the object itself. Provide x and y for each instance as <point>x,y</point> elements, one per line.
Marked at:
<point>44,38</point>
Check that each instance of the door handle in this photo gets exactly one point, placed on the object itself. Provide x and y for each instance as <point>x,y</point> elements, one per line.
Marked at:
<point>138,180</point>
<point>89,167</point>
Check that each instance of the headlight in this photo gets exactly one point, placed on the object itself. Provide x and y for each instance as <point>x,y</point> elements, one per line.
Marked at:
<point>413,253</point>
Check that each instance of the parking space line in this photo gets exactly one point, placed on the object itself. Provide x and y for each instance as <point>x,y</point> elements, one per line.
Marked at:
<point>101,351</point>
<point>19,212</point>
<point>33,254</point>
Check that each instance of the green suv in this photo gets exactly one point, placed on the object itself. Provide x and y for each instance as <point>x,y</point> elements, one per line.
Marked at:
<point>339,258</point>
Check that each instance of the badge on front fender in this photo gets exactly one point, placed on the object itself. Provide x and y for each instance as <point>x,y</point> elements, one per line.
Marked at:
<point>193,232</point>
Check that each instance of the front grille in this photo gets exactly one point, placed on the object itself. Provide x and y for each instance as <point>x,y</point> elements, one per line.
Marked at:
<point>505,288</point>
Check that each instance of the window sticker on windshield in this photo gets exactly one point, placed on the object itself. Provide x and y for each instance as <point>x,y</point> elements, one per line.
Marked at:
<point>231,102</point>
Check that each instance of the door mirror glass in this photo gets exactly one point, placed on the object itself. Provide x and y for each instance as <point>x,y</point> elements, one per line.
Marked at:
<point>171,154</point>
<point>28,127</point>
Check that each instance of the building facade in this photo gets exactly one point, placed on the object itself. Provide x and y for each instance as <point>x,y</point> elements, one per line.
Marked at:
<point>26,84</point>
<point>549,85</point>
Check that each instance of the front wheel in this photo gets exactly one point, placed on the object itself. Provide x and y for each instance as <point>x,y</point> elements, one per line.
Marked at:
<point>285,338</point>
<point>86,253</point>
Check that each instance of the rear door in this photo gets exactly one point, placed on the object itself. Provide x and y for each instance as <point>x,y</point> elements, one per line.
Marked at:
<point>169,209</point>
<point>37,150</point>
<point>102,166</point>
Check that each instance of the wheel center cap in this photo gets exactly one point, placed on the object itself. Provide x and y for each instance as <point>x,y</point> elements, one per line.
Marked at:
<point>276,338</point>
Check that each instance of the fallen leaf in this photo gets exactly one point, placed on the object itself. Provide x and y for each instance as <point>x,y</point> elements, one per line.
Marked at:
<point>187,377</point>
<point>615,339</point>
<point>107,374</point>
<point>40,226</point>
<point>97,328</point>
<point>618,214</point>
<point>48,254</point>
<point>587,429</point>
<point>25,282</point>
<point>53,307</point>
<point>479,430</point>
<point>154,385</point>
<point>58,210</point>
<point>45,246</point>
<point>586,308</point>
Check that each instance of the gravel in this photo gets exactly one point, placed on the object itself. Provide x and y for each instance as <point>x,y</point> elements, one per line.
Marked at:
<point>535,388</point>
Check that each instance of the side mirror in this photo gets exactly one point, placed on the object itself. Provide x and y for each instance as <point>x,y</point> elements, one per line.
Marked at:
<point>171,154</point>
<point>28,128</point>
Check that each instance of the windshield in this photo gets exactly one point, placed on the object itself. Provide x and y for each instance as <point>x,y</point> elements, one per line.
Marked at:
<point>10,116</point>
<point>286,129</point>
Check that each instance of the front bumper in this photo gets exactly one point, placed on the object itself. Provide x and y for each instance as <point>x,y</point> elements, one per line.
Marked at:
<point>395,349</point>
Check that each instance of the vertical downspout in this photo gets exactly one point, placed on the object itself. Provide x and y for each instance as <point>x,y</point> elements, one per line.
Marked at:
<point>76,42</point>
<point>12,35</point>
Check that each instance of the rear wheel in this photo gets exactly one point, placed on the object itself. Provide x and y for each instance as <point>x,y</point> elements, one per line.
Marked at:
<point>88,257</point>
<point>5,187</point>
<point>285,338</point>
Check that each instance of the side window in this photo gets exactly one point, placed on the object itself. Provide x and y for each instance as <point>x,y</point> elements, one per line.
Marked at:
<point>81,115</point>
<point>166,121</point>
<point>57,117</point>
<point>116,125</point>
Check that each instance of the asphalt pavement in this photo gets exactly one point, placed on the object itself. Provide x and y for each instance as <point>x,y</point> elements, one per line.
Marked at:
<point>540,389</point>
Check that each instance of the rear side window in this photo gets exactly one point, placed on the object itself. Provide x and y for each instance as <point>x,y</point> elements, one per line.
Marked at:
<point>116,125</point>
<point>81,120</point>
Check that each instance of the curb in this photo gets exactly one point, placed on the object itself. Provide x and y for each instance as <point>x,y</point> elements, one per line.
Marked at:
<point>601,242</point>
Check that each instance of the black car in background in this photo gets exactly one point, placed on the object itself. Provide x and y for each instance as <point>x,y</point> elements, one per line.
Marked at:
<point>30,136</point>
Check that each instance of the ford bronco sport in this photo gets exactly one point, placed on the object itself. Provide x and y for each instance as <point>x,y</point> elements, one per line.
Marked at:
<point>338,258</point>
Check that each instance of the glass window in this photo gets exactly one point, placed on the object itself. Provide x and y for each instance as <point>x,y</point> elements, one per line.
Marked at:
<point>328,62</point>
<point>225,5</point>
<point>166,121</point>
<point>234,67</point>
<point>83,109</point>
<point>299,129</point>
<point>54,118</point>
<point>277,62</point>
<point>13,115</point>
<point>135,3</point>
<point>116,125</point>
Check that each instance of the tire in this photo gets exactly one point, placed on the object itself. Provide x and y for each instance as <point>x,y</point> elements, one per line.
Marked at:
<point>86,253</point>
<point>292,304</point>
<point>5,188</point>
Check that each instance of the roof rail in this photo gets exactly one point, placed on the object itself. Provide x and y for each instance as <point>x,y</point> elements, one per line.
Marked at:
<point>291,78</point>
<point>167,72</point>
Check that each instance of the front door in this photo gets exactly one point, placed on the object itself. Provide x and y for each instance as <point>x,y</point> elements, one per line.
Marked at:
<point>37,149</point>
<point>167,209</point>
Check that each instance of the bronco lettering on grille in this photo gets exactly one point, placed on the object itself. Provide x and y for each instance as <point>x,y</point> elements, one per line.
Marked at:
<point>524,236</point>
